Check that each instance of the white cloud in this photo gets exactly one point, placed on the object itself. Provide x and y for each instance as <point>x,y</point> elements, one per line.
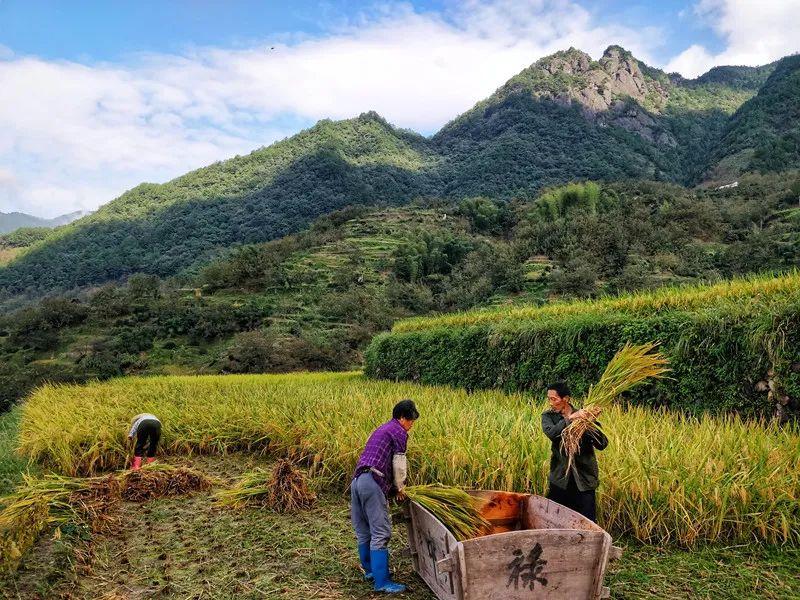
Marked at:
<point>755,33</point>
<point>75,135</point>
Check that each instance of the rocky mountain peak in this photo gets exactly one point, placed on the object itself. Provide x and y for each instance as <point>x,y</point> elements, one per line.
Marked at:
<point>570,62</point>
<point>611,91</point>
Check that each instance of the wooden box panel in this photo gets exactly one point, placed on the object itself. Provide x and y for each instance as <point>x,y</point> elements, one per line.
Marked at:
<point>548,563</point>
<point>541,513</point>
<point>431,542</point>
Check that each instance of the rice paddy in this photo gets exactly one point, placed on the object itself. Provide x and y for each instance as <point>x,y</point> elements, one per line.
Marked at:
<point>664,478</point>
<point>746,294</point>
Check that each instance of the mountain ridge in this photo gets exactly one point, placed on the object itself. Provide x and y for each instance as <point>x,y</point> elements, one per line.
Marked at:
<point>14,220</point>
<point>566,117</point>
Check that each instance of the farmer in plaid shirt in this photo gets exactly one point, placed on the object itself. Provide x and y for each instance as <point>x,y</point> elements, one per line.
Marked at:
<point>381,470</point>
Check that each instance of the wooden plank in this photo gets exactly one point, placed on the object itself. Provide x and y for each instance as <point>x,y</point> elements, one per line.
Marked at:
<point>600,567</point>
<point>433,542</point>
<point>412,542</point>
<point>551,563</point>
<point>541,513</point>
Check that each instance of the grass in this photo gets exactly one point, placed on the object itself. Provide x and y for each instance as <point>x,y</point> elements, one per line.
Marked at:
<point>12,466</point>
<point>193,550</point>
<point>751,293</point>
<point>664,479</point>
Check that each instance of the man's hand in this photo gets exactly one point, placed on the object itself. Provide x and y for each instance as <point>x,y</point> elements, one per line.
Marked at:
<point>401,496</point>
<point>580,414</point>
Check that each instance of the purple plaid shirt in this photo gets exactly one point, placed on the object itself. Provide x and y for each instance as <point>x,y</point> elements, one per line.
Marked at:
<point>386,441</point>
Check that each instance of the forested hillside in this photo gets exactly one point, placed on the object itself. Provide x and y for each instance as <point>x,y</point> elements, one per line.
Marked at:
<point>565,118</point>
<point>314,300</point>
<point>764,134</point>
<point>166,229</point>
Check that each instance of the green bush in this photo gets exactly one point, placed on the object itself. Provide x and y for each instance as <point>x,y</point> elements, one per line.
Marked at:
<point>717,355</point>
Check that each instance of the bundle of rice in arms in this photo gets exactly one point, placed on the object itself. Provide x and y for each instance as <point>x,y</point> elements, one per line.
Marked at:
<point>630,366</point>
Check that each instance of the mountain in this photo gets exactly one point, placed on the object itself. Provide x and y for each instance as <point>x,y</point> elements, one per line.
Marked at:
<point>764,134</point>
<point>566,117</point>
<point>15,220</point>
<point>570,117</point>
<point>166,229</point>
<point>313,300</point>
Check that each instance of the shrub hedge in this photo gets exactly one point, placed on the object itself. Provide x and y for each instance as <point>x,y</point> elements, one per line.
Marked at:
<point>718,353</point>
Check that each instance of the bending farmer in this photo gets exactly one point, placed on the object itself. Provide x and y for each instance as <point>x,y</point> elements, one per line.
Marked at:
<point>147,429</point>
<point>381,470</point>
<point>576,489</point>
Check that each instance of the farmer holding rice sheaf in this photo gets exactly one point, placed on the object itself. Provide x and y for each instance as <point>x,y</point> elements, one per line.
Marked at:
<point>381,469</point>
<point>147,429</point>
<point>573,486</point>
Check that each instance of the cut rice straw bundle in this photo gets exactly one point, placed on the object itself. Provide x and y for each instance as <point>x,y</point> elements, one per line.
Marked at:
<point>630,366</point>
<point>162,481</point>
<point>53,499</point>
<point>284,489</point>
<point>455,508</point>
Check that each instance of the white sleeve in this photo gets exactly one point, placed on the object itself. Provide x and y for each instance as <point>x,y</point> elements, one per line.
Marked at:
<point>400,470</point>
<point>134,427</point>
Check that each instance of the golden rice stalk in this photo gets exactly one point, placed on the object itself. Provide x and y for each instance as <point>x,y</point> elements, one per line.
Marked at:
<point>630,366</point>
<point>284,489</point>
<point>18,532</point>
<point>455,508</point>
<point>53,499</point>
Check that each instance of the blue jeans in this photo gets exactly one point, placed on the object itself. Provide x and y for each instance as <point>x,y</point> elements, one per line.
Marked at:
<point>370,512</point>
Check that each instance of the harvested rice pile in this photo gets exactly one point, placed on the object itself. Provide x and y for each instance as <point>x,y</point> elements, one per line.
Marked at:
<point>91,503</point>
<point>96,503</point>
<point>162,481</point>
<point>284,489</point>
<point>18,532</point>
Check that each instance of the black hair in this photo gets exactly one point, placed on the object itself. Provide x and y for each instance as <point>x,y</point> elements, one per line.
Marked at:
<point>561,388</point>
<point>405,409</point>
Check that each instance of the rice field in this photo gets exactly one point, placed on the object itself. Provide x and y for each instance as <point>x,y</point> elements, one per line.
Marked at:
<point>665,478</point>
<point>746,294</point>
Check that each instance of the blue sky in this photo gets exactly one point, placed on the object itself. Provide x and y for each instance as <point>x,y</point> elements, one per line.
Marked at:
<point>112,30</point>
<point>96,97</point>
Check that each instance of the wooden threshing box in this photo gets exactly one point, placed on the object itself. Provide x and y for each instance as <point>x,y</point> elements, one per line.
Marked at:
<point>537,549</point>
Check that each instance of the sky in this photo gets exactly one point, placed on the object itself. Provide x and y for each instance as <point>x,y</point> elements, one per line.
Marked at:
<point>97,97</point>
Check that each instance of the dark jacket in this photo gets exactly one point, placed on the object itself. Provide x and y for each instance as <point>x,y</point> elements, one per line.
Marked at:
<point>584,464</point>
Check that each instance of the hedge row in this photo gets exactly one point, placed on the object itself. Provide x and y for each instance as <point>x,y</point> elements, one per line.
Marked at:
<point>717,354</point>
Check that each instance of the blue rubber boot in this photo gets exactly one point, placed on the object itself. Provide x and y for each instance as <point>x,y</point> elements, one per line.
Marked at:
<point>379,559</point>
<point>363,556</point>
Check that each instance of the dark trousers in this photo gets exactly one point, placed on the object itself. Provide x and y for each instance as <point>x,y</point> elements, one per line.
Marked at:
<point>148,433</point>
<point>582,502</point>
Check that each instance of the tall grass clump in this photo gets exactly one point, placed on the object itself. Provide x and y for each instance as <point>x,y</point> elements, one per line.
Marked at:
<point>665,477</point>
